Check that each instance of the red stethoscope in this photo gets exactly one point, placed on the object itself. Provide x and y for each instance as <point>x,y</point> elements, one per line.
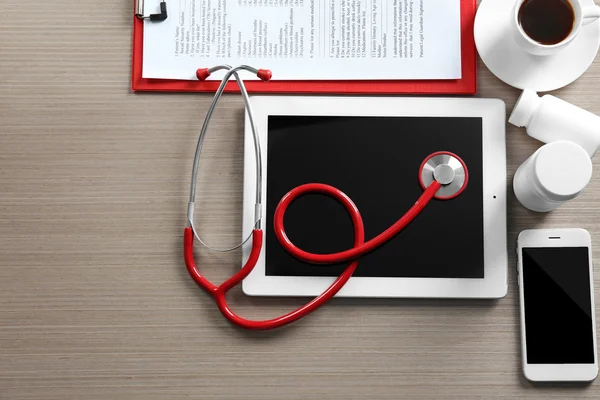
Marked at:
<point>442,175</point>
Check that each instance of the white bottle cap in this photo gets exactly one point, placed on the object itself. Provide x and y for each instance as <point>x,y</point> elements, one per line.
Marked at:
<point>524,108</point>
<point>561,170</point>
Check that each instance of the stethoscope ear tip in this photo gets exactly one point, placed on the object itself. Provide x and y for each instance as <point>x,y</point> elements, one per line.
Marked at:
<point>264,74</point>
<point>202,73</point>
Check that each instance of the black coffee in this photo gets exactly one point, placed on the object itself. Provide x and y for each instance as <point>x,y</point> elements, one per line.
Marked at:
<point>547,21</point>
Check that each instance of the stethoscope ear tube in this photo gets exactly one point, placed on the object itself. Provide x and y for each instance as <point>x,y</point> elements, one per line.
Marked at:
<point>203,73</point>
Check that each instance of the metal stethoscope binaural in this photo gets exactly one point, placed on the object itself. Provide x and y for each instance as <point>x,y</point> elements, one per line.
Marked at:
<point>442,175</point>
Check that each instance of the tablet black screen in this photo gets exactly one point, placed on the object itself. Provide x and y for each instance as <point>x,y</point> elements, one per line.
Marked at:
<point>375,161</point>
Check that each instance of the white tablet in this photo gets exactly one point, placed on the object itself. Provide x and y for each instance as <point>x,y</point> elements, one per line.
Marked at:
<point>371,148</point>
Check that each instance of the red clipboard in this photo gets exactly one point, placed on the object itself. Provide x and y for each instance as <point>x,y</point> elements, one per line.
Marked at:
<point>466,85</point>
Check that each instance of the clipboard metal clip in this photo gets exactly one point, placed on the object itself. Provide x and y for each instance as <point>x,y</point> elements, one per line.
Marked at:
<point>139,11</point>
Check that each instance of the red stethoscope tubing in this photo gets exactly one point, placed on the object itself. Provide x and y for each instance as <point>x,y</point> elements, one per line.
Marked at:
<point>360,248</point>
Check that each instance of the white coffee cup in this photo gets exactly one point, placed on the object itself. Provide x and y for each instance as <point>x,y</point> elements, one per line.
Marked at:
<point>583,16</point>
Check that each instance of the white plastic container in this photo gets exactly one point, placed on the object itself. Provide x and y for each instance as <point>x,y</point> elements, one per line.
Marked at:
<point>554,174</point>
<point>549,119</point>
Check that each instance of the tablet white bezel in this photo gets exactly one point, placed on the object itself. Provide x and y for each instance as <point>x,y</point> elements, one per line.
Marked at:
<point>493,113</point>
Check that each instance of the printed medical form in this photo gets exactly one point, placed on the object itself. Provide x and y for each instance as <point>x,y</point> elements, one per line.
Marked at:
<point>307,39</point>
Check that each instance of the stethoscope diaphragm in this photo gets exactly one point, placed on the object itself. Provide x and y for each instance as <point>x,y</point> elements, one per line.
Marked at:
<point>449,170</point>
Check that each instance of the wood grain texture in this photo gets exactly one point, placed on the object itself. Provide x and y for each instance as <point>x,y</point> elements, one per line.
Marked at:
<point>95,302</point>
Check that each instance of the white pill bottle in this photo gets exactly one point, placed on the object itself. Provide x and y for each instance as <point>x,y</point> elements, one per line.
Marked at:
<point>549,119</point>
<point>556,173</point>
<point>560,170</point>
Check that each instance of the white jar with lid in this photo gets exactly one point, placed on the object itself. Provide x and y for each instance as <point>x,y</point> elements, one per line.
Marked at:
<point>553,175</point>
<point>549,119</point>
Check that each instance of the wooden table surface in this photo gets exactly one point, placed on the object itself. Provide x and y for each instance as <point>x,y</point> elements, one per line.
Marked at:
<point>95,302</point>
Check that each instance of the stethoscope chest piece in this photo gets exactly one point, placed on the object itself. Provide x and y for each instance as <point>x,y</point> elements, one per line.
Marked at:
<point>449,170</point>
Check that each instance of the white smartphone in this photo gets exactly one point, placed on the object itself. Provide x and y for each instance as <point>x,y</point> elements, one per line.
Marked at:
<point>556,290</point>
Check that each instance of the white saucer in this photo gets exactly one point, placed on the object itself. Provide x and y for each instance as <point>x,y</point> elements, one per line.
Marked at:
<point>520,69</point>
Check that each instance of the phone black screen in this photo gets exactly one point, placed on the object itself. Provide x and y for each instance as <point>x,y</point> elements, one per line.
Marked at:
<point>557,302</point>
